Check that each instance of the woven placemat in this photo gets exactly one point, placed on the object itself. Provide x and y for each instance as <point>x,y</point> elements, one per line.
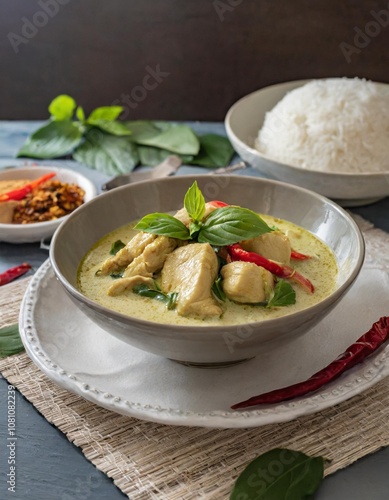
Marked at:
<point>154,461</point>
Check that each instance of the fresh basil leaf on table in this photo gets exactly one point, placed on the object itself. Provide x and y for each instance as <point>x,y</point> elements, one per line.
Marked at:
<point>10,341</point>
<point>177,139</point>
<point>111,127</point>
<point>104,118</point>
<point>70,133</point>
<point>280,474</point>
<point>142,129</point>
<point>80,113</point>
<point>106,113</point>
<point>215,151</point>
<point>56,139</point>
<point>109,154</point>
<point>62,107</point>
<point>151,157</point>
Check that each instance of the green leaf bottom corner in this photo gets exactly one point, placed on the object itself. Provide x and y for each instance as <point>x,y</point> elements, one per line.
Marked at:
<point>10,341</point>
<point>280,474</point>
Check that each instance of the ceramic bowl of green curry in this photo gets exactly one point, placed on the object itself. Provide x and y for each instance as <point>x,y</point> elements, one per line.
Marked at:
<point>207,270</point>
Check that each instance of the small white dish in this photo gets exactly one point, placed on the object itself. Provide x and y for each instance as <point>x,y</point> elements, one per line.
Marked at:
<point>29,233</point>
<point>79,356</point>
<point>244,120</point>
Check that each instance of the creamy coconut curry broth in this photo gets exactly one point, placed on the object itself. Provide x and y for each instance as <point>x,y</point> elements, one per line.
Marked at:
<point>102,277</point>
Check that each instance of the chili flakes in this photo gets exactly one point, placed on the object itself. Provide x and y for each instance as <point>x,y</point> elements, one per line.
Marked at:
<point>48,201</point>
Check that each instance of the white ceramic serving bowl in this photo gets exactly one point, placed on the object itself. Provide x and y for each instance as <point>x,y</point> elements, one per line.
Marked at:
<point>206,345</point>
<point>37,231</point>
<point>244,120</point>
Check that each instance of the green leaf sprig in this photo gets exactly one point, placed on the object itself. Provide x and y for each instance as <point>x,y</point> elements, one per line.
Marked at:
<point>280,474</point>
<point>116,246</point>
<point>10,341</point>
<point>217,289</point>
<point>170,299</point>
<point>223,226</point>
<point>283,295</point>
<point>114,147</point>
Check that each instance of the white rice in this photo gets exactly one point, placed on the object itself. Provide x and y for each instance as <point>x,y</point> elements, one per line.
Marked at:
<point>331,125</point>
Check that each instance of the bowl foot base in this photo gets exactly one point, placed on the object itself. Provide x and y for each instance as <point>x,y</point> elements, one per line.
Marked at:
<point>222,364</point>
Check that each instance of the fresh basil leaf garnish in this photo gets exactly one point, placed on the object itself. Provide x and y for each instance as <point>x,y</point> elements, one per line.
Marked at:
<point>217,289</point>
<point>286,474</point>
<point>170,299</point>
<point>145,291</point>
<point>194,202</point>
<point>283,295</point>
<point>115,275</point>
<point>163,225</point>
<point>116,246</point>
<point>228,225</point>
<point>224,226</point>
<point>194,229</point>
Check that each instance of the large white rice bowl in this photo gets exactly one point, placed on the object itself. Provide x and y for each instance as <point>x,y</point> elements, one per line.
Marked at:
<point>330,125</point>
<point>334,143</point>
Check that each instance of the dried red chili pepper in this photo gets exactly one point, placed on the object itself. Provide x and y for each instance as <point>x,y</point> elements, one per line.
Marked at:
<point>14,273</point>
<point>281,270</point>
<point>357,352</point>
<point>20,193</point>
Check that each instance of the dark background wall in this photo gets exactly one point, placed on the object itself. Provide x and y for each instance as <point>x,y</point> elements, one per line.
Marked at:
<point>201,55</point>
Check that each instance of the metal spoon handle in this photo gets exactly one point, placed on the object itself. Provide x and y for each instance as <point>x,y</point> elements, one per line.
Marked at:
<point>230,168</point>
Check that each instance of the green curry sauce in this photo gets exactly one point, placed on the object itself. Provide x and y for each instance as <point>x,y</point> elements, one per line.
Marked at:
<point>320,269</point>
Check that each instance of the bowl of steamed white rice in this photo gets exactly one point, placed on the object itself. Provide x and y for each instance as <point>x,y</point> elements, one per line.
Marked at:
<point>329,135</point>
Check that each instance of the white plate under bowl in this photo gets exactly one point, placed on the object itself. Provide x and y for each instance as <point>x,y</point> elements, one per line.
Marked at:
<point>37,231</point>
<point>82,358</point>
<point>244,120</point>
